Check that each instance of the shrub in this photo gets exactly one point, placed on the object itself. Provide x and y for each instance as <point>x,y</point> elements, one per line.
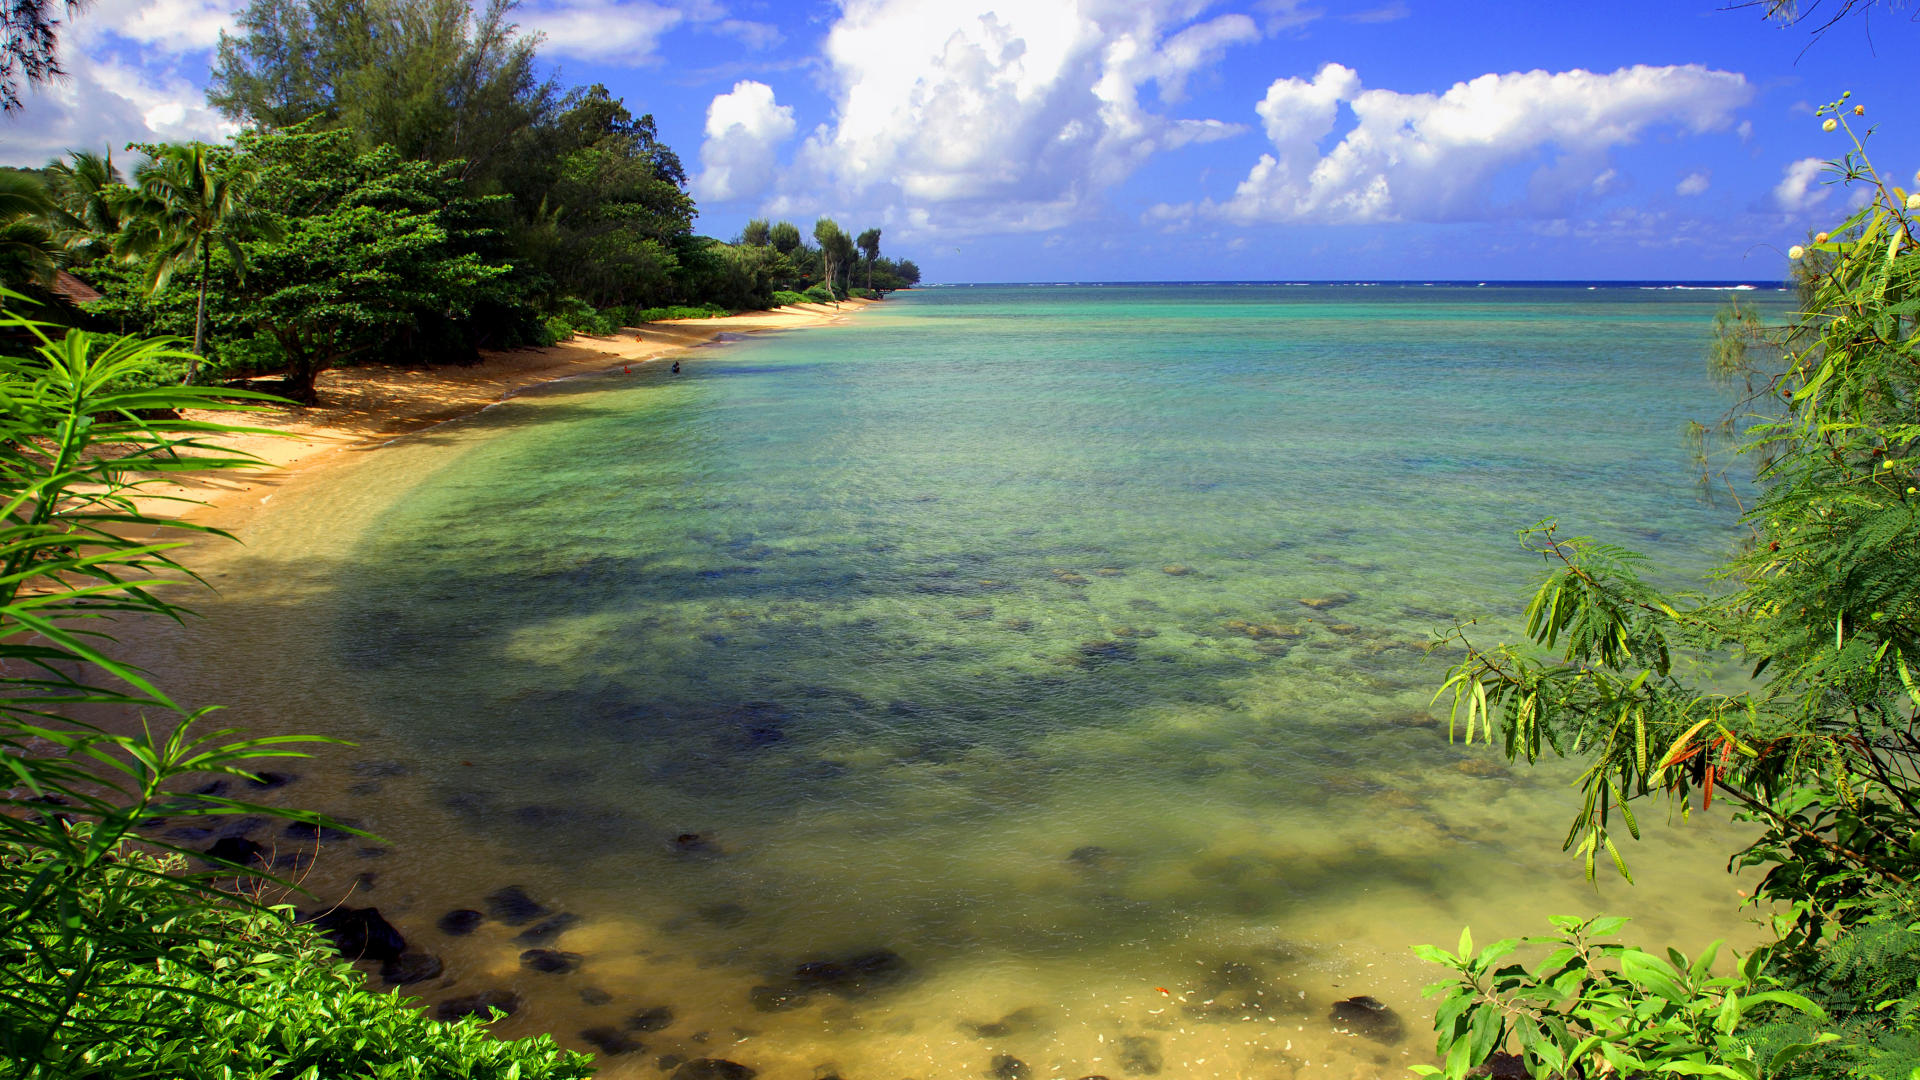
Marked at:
<point>682,311</point>
<point>788,298</point>
<point>820,294</point>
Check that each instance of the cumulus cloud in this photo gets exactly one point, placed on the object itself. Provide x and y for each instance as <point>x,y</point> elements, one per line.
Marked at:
<point>104,105</point>
<point>609,31</point>
<point>744,127</point>
<point>980,116</point>
<point>1692,184</point>
<point>174,25</point>
<point>1436,157</point>
<point>1800,188</point>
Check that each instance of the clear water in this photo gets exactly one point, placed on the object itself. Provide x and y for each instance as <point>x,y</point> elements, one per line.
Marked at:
<point>975,630</point>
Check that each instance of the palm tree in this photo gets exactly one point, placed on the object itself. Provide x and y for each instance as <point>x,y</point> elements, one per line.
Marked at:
<point>190,201</point>
<point>28,253</point>
<point>870,247</point>
<point>89,198</point>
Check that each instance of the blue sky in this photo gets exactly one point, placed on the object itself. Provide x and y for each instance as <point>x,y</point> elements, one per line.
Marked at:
<point>1058,140</point>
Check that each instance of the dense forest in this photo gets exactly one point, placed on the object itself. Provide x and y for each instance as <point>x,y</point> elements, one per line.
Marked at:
<point>407,188</point>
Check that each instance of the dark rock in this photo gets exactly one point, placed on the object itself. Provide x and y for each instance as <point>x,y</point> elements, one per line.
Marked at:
<point>506,1001</point>
<point>239,826</point>
<point>413,967</point>
<point>293,860</point>
<point>360,933</point>
<point>713,1069</point>
<point>1503,1066</point>
<point>1014,1023</point>
<point>215,788</point>
<point>460,922</point>
<point>853,975</point>
<point>379,770</point>
<point>1328,602</point>
<point>366,879</point>
<point>1092,857</point>
<point>189,833</point>
<point>611,1041</point>
<point>1369,1018</point>
<point>667,1061</point>
<point>267,780</point>
<point>370,852</point>
<point>658,1018</point>
<point>237,850</point>
<point>1140,1055</point>
<point>593,995</point>
<point>1008,1067</point>
<point>542,932</point>
<point>1096,652</point>
<point>309,831</point>
<point>514,907</point>
<point>693,844</point>
<point>550,961</point>
<point>776,998</point>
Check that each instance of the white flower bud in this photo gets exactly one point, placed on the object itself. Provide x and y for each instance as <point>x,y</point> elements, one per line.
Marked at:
<point>1830,124</point>
<point>1913,201</point>
<point>1796,251</point>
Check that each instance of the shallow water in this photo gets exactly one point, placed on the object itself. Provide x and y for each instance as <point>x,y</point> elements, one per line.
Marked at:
<point>977,630</point>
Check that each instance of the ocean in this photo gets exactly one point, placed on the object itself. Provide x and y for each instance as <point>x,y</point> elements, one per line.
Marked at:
<point>1007,674</point>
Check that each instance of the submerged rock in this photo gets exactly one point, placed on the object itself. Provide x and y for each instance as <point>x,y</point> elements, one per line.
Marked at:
<point>1331,600</point>
<point>1369,1018</point>
<point>460,922</point>
<point>1176,570</point>
<point>409,968</point>
<point>543,932</point>
<point>1098,652</point>
<point>657,1018</point>
<point>611,1041</point>
<point>593,995</point>
<point>974,613</point>
<point>360,933</point>
<point>514,907</point>
<point>1093,857</point>
<point>267,780</point>
<point>237,850</point>
<point>694,845</point>
<point>1013,1023</point>
<point>1008,1067</point>
<point>713,1069</point>
<point>1140,1055</point>
<point>853,975</point>
<point>550,961</point>
<point>504,1001</point>
<point>1482,768</point>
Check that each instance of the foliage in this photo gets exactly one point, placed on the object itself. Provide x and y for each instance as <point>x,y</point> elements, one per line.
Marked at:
<point>235,990</point>
<point>819,294</point>
<point>681,311</point>
<point>119,962</point>
<point>191,200</point>
<point>28,251</point>
<point>434,79</point>
<point>788,298</point>
<point>1824,608</point>
<point>29,45</point>
<point>1596,1007</point>
<point>90,198</point>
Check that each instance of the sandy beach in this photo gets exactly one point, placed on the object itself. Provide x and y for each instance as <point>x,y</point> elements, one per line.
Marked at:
<point>361,408</point>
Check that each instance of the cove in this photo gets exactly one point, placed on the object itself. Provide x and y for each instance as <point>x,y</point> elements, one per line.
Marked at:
<point>922,694</point>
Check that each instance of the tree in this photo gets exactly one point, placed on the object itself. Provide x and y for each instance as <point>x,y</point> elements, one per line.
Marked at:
<point>1821,753</point>
<point>785,238</point>
<point>825,231</point>
<point>870,247</point>
<point>757,233</point>
<point>191,200</point>
<point>844,256</point>
<point>29,45</point>
<point>28,251</point>
<point>433,78</point>
<point>89,196</point>
<point>372,260</point>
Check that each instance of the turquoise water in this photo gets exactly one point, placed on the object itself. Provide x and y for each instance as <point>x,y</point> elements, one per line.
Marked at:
<point>1066,642</point>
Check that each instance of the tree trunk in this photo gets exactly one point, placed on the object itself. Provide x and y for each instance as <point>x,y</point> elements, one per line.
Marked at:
<point>200,320</point>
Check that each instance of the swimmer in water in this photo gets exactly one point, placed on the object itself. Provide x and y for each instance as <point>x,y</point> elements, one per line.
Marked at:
<point>676,367</point>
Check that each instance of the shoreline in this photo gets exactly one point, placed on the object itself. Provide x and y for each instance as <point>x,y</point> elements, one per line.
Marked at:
<point>363,408</point>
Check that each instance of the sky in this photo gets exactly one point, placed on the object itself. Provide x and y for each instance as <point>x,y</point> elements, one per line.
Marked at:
<point>1143,140</point>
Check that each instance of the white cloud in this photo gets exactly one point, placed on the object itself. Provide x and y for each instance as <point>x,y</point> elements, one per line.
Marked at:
<point>174,25</point>
<point>608,31</point>
<point>1800,188</point>
<point>105,105</point>
<point>744,126</point>
<point>757,36</point>
<point>975,115</point>
<point>1437,157</point>
<point>1692,184</point>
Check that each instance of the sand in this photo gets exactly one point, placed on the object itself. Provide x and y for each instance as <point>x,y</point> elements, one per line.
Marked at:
<point>363,408</point>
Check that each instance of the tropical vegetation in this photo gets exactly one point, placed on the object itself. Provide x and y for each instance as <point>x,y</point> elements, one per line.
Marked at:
<point>1817,745</point>
<point>118,957</point>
